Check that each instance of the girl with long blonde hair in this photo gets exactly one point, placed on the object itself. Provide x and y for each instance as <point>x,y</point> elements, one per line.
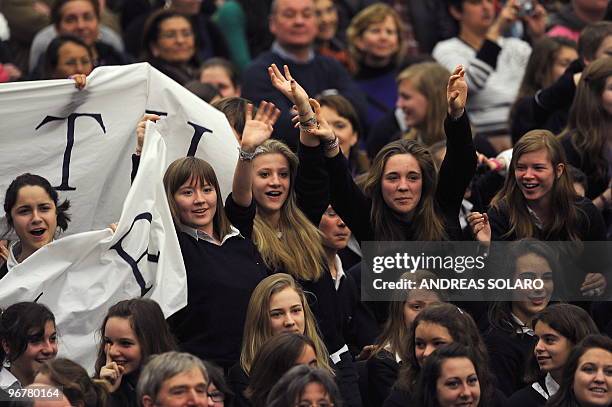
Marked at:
<point>263,204</point>
<point>422,102</point>
<point>278,305</point>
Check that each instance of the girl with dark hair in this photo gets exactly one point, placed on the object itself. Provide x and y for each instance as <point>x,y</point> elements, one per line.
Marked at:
<point>586,139</point>
<point>509,337</point>
<point>452,376</point>
<point>132,331</point>
<point>558,329</point>
<point>66,56</point>
<point>434,327</point>
<point>34,212</point>
<point>549,59</point>
<point>384,364</point>
<point>169,44</point>
<point>587,376</point>
<point>74,382</point>
<point>28,338</point>
<point>218,391</point>
<point>276,357</point>
<point>305,386</point>
<point>211,324</point>
<point>340,114</point>
<point>82,19</point>
<point>222,74</point>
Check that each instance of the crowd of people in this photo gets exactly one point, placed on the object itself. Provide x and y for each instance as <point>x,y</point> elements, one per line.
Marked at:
<point>357,121</point>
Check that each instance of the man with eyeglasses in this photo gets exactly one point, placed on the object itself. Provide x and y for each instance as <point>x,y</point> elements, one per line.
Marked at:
<point>175,379</point>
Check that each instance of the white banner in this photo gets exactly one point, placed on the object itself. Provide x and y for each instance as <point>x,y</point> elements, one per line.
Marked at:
<point>80,276</point>
<point>82,141</point>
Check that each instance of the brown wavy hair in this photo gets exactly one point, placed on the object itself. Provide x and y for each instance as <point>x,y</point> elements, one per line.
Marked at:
<point>460,326</point>
<point>511,199</point>
<point>427,221</point>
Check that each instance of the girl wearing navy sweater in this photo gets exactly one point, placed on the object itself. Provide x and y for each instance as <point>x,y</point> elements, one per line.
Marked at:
<point>222,264</point>
<point>263,204</point>
<point>405,197</point>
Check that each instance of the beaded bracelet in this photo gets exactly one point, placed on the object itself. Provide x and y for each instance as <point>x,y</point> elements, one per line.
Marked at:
<point>312,122</point>
<point>245,155</point>
<point>330,145</point>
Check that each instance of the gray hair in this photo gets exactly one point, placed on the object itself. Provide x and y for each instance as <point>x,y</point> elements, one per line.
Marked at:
<point>293,384</point>
<point>162,367</point>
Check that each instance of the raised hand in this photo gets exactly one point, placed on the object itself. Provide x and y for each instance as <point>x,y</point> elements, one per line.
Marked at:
<point>140,130</point>
<point>508,15</point>
<point>289,87</point>
<point>456,92</point>
<point>111,372</point>
<point>322,130</point>
<point>259,128</point>
<point>479,223</point>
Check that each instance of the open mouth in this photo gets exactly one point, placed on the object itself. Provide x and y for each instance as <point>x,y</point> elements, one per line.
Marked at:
<point>38,232</point>
<point>274,194</point>
<point>530,185</point>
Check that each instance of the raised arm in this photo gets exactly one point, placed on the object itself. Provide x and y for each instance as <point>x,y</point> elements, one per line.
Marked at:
<point>311,181</point>
<point>459,164</point>
<point>140,135</point>
<point>256,130</point>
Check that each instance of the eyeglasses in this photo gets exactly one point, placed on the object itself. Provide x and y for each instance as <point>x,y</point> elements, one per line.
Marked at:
<point>217,396</point>
<point>319,404</point>
<point>170,35</point>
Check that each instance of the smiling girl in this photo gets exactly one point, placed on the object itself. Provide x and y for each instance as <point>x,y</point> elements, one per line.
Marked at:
<point>558,329</point>
<point>33,211</point>
<point>132,331</point>
<point>452,376</point>
<point>509,337</point>
<point>538,201</point>
<point>28,338</point>
<point>278,305</point>
<point>587,376</point>
<point>384,364</point>
<point>434,327</point>
<point>405,197</point>
<point>222,263</point>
